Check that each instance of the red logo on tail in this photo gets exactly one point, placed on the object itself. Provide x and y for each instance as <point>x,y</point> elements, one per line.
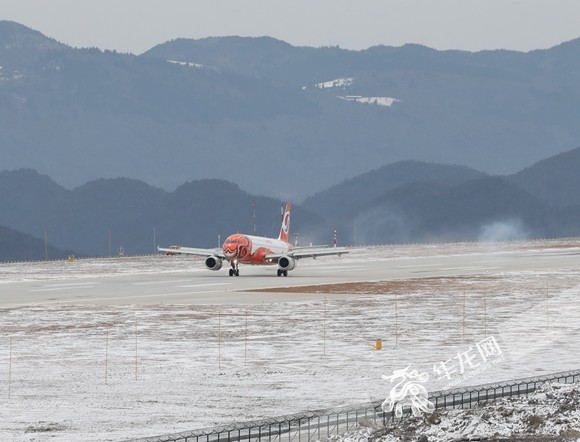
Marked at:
<point>285,230</point>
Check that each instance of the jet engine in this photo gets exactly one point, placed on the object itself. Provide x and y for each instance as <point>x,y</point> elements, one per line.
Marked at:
<point>286,263</point>
<point>213,263</point>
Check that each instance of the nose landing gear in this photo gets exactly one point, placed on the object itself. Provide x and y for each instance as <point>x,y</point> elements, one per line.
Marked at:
<point>234,271</point>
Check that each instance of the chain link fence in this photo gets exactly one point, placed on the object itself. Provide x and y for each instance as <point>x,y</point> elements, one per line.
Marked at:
<point>320,425</point>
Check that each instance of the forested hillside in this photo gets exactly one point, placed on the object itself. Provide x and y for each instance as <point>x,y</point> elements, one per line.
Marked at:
<point>276,119</point>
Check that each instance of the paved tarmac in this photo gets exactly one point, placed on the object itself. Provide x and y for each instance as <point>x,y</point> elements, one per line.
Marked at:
<point>200,286</point>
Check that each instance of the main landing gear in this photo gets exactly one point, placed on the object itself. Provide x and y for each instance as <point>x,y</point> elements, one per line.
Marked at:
<point>282,272</point>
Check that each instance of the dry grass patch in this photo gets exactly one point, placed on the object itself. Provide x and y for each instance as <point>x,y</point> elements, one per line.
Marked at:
<point>438,284</point>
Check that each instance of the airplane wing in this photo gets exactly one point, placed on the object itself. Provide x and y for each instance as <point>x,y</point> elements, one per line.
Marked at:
<point>310,253</point>
<point>322,246</point>
<point>178,250</point>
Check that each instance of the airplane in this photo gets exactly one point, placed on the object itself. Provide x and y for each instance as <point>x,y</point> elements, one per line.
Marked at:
<point>254,250</point>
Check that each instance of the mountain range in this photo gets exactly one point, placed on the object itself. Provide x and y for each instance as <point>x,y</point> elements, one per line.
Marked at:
<point>102,216</point>
<point>17,246</point>
<point>408,201</point>
<point>276,119</point>
<point>413,201</point>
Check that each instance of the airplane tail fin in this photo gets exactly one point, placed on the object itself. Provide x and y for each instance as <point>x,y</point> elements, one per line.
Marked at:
<point>285,229</point>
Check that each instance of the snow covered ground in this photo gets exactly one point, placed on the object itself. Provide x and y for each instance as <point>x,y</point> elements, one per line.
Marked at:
<point>92,268</point>
<point>110,373</point>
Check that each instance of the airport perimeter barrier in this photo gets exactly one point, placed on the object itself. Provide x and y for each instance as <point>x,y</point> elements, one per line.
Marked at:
<point>410,244</point>
<point>81,258</point>
<point>320,425</point>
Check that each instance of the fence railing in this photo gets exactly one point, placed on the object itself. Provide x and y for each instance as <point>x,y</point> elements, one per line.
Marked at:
<point>322,424</point>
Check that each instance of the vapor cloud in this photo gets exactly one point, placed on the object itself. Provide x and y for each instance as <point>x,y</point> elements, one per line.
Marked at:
<point>506,230</point>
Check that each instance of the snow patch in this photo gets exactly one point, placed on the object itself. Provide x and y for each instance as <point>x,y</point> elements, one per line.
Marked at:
<point>379,101</point>
<point>187,63</point>
<point>342,83</point>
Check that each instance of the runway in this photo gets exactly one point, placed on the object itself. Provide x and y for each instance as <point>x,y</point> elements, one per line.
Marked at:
<point>188,282</point>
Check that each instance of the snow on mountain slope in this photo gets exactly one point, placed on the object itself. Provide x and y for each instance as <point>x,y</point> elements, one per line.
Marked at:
<point>187,63</point>
<point>379,101</point>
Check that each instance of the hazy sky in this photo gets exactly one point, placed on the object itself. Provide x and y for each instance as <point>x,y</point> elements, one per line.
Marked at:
<point>137,25</point>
